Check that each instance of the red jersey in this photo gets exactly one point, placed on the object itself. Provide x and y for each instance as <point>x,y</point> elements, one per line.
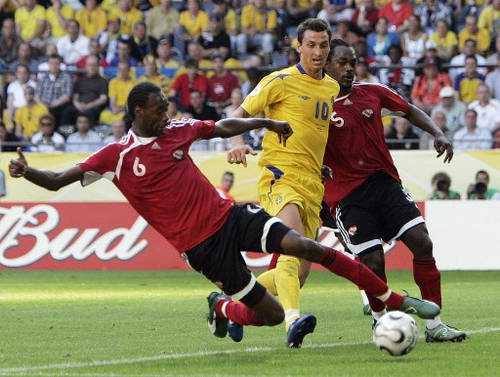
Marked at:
<point>221,87</point>
<point>184,85</point>
<point>396,18</point>
<point>162,183</point>
<point>356,146</point>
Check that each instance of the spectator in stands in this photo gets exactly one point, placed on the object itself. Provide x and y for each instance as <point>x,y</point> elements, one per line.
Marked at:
<point>199,109</point>
<point>426,139</point>
<point>489,18</point>
<point>401,135</point>
<point>221,84</point>
<point>124,53</point>
<point>229,17</point>
<point>254,76</point>
<point>108,40</point>
<point>236,100</point>
<point>192,22</point>
<point>24,56</point>
<point>361,49</point>
<point>151,74</point>
<point>226,183</point>
<point>342,32</point>
<point>298,11</point>
<point>90,94</point>
<point>362,72</point>
<point>57,17</point>
<point>258,28</point>
<point>426,87</point>
<point>186,82</point>
<point>172,110</point>
<point>480,190</point>
<point>430,11</point>
<point>94,49</point>
<point>487,109</point>
<point>397,13</point>
<point>493,80</point>
<point>30,22</point>
<point>118,90</point>
<point>470,136</point>
<point>161,20</point>
<point>379,41</point>
<point>5,116</point>
<point>47,140</point>
<point>54,89</point>
<point>142,44</point>
<point>413,39</point>
<point>430,52</point>
<point>215,39</point>
<point>459,60</point>
<point>127,14</point>
<point>441,183</point>
<point>92,19</point>
<point>73,46</point>
<point>15,90</point>
<point>292,57</point>
<point>472,31</point>
<point>466,83</point>
<point>165,55</point>
<point>27,117</point>
<point>118,130</point>
<point>84,140</point>
<point>453,109</point>
<point>365,16</point>
<point>445,39</point>
<point>8,140</point>
<point>43,67</point>
<point>494,58</point>
<point>399,79</point>
<point>9,40</point>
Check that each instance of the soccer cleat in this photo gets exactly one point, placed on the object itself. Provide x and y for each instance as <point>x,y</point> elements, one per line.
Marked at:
<point>422,308</point>
<point>235,331</point>
<point>367,310</point>
<point>444,333</point>
<point>299,329</point>
<point>217,326</point>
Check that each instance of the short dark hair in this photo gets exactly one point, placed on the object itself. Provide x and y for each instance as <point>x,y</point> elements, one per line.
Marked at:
<point>314,24</point>
<point>191,63</point>
<point>194,90</point>
<point>55,56</point>
<point>483,172</point>
<point>83,115</point>
<point>228,173</point>
<point>470,57</point>
<point>138,96</point>
<point>334,43</point>
<point>49,117</point>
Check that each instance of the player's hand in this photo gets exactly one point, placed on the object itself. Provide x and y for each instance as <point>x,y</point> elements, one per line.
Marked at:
<point>326,172</point>
<point>283,130</point>
<point>442,145</point>
<point>237,155</point>
<point>19,166</point>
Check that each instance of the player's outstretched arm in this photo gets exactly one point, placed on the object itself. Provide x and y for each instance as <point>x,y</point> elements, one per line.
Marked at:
<point>44,178</point>
<point>239,150</point>
<point>424,122</point>
<point>234,126</point>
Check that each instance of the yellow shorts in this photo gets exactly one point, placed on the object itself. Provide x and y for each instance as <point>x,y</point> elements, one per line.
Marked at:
<point>279,187</point>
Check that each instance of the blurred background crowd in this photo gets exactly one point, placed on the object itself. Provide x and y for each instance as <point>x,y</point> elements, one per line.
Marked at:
<point>67,66</point>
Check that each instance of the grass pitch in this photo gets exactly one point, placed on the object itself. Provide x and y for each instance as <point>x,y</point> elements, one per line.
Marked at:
<point>149,324</point>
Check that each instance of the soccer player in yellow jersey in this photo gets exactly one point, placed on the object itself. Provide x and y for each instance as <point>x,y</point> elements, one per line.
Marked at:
<point>290,184</point>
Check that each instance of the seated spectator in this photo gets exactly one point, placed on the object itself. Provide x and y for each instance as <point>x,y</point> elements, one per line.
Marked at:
<point>8,140</point>
<point>236,100</point>
<point>470,136</point>
<point>426,139</point>
<point>379,41</point>
<point>221,84</point>
<point>441,183</point>
<point>43,67</point>
<point>94,49</point>
<point>489,18</point>
<point>84,140</point>
<point>108,39</point>
<point>165,55</point>
<point>430,53</point>
<point>90,94</point>
<point>466,83</point>
<point>426,88</point>
<point>127,14</point>
<point>118,90</point>
<point>118,130</point>
<point>73,46</point>
<point>445,39</point>
<point>192,22</point>
<point>10,41</point>
<point>24,56</point>
<point>453,109</point>
<point>215,39</point>
<point>480,190</point>
<point>5,116</point>
<point>172,110</point>
<point>57,17</point>
<point>401,135</point>
<point>151,74</point>
<point>493,80</point>
<point>254,76</point>
<point>487,109</point>
<point>413,39</point>
<point>27,117</point>
<point>229,17</point>
<point>343,32</point>
<point>161,20</point>
<point>124,53</point>
<point>258,29</point>
<point>54,89</point>
<point>397,13</point>
<point>199,109</point>
<point>361,49</point>
<point>15,90</point>
<point>47,140</point>
<point>494,58</point>
<point>472,31</point>
<point>459,60</point>
<point>362,72</point>
<point>142,44</point>
<point>226,183</point>
<point>92,19</point>
<point>298,11</point>
<point>430,11</point>
<point>399,79</point>
<point>186,82</point>
<point>30,22</point>
<point>365,16</point>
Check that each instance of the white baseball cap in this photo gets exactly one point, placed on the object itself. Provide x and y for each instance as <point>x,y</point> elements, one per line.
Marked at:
<point>447,91</point>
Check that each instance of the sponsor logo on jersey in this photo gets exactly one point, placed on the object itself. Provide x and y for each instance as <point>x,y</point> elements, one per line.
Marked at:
<point>352,230</point>
<point>178,155</point>
<point>367,113</point>
<point>347,102</point>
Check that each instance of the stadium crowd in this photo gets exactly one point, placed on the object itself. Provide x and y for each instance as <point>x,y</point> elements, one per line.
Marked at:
<point>67,66</point>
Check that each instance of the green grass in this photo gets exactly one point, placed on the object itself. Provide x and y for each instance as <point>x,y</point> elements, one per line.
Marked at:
<point>152,324</point>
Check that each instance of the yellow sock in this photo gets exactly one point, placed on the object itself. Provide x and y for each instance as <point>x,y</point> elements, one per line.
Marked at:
<point>288,287</point>
<point>266,279</point>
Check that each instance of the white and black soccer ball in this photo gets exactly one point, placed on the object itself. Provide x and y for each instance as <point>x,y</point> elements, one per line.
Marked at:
<point>396,333</point>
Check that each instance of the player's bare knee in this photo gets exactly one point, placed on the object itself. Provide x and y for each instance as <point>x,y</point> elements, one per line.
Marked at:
<point>273,317</point>
<point>303,277</point>
<point>374,260</point>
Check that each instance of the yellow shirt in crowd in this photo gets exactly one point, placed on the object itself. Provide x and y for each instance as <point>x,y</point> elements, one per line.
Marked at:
<point>194,26</point>
<point>252,18</point>
<point>119,90</point>
<point>127,19</point>
<point>91,23</point>
<point>29,20</point>
<point>482,37</point>
<point>56,30</point>
<point>29,117</point>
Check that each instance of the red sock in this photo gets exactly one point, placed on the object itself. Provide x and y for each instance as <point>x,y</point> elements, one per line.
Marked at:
<point>428,279</point>
<point>360,275</point>
<point>237,312</point>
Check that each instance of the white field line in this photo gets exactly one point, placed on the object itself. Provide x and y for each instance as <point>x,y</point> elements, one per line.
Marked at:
<point>17,370</point>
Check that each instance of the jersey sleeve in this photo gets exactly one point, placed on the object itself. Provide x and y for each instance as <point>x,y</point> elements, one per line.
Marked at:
<point>193,129</point>
<point>267,92</point>
<point>100,164</point>
<point>392,101</point>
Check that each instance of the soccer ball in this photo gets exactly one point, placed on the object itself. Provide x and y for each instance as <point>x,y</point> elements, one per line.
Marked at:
<point>396,333</point>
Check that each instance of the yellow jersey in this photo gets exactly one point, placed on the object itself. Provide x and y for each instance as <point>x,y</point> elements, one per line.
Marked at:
<point>127,19</point>
<point>29,117</point>
<point>160,80</point>
<point>93,22</point>
<point>56,29</point>
<point>307,104</point>
<point>194,26</point>
<point>29,20</point>
<point>119,90</point>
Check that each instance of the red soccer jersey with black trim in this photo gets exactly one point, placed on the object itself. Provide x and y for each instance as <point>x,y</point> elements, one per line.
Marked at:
<point>162,183</point>
<point>356,147</point>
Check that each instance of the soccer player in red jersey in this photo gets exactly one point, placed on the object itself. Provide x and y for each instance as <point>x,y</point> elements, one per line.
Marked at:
<point>152,169</point>
<point>365,194</point>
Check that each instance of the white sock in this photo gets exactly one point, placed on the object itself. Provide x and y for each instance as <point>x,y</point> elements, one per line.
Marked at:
<point>433,323</point>
<point>378,315</point>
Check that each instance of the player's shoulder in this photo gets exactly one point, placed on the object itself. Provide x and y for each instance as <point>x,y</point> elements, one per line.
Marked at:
<point>373,87</point>
<point>282,75</point>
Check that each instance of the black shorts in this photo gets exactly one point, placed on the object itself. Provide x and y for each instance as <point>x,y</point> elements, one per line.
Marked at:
<point>378,210</point>
<point>247,228</point>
